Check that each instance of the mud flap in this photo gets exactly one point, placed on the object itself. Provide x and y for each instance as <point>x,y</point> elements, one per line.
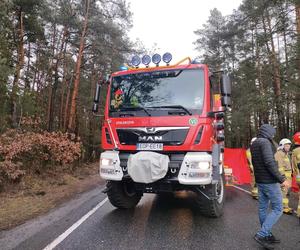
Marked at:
<point>216,152</point>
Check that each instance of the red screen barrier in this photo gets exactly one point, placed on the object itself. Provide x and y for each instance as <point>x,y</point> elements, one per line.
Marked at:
<point>235,158</point>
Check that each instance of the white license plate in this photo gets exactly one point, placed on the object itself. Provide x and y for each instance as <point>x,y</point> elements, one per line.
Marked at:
<point>149,146</point>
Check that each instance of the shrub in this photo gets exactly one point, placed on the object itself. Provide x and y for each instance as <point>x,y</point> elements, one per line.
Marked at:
<point>23,151</point>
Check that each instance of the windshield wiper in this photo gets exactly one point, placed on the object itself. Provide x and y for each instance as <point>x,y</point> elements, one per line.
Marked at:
<point>173,107</point>
<point>128,108</point>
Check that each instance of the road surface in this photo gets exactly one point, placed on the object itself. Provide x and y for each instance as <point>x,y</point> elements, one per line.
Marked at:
<point>158,222</point>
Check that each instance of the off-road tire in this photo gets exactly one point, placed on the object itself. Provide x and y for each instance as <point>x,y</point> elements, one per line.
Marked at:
<point>118,195</point>
<point>212,208</point>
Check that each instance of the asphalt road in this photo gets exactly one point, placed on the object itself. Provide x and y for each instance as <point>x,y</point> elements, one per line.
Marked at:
<point>158,222</point>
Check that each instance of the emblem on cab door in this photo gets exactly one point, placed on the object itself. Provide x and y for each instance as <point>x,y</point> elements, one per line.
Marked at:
<point>193,121</point>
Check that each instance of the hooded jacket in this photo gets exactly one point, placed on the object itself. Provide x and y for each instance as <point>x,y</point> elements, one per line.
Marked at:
<point>262,151</point>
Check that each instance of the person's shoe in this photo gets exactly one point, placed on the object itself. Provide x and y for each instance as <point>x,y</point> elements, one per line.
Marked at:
<point>272,239</point>
<point>263,241</point>
<point>255,197</point>
<point>287,210</point>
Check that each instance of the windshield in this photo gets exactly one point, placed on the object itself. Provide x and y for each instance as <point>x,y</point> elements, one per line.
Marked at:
<point>146,93</point>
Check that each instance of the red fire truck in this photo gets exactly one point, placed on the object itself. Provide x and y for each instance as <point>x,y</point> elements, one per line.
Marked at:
<point>164,132</point>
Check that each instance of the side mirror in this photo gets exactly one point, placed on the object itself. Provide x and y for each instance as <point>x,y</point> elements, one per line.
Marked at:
<point>225,85</point>
<point>225,90</point>
<point>107,78</point>
<point>97,93</point>
<point>96,98</point>
<point>226,101</point>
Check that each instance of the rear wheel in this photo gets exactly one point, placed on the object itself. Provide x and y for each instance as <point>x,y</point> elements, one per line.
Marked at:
<point>123,194</point>
<point>214,207</point>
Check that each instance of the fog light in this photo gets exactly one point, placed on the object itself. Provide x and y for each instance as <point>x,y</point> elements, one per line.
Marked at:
<point>198,175</point>
<point>107,171</point>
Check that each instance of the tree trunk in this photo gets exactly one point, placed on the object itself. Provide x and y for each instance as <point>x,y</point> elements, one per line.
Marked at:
<point>63,87</point>
<point>49,77</point>
<point>36,68</point>
<point>66,113</point>
<point>19,67</point>
<point>276,74</point>
<point>27,77</point>
<point>263,112</point>
<point>58,57</point>
<point>71,124</point>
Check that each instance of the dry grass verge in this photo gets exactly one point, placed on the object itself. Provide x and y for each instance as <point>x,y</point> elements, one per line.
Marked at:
<point>37,194</point>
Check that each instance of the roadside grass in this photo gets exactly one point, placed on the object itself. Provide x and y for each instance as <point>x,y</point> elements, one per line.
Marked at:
<point>37,194</point>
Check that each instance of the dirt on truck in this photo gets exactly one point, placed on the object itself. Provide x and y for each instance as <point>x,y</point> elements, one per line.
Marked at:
<point>163,131</point>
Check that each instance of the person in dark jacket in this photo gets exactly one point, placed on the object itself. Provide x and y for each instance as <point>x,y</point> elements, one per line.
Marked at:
<point>268,179</point>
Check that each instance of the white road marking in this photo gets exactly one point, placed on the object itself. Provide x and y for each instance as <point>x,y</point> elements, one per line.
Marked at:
<point>64,235</point>
<point>244,190</point>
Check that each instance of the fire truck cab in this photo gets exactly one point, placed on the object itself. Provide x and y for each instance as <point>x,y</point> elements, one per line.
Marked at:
<point>163,131</point>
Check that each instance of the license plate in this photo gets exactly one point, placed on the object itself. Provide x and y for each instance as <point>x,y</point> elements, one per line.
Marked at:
<point>149,146</point>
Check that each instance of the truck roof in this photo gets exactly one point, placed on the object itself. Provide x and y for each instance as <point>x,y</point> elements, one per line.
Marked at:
<point>159,68</point>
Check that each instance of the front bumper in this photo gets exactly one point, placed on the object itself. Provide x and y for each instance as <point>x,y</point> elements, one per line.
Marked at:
<point>189,168</point>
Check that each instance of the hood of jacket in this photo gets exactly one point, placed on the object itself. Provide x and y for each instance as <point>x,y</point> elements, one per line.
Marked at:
<point>266,131</point>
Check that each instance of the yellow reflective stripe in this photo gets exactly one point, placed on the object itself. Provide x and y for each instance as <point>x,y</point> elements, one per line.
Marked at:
<point>288,174</point>
<point>285,201</point>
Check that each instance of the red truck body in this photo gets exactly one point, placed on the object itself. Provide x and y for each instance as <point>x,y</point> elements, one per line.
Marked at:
<point>163,131</point>
<point>208,134</point>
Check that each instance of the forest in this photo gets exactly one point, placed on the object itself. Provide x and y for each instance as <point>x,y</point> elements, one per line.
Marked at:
<point>54,52</point>
<point>259,45</point>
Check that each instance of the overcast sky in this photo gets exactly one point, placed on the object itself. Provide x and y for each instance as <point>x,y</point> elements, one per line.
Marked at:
<point>171,23</point>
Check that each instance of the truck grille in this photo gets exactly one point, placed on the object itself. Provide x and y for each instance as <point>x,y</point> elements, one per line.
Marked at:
<point>170,136</point>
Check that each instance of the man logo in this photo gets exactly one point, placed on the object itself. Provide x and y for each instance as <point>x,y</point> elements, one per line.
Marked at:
<point>146,138</point>
<point>150,130</point>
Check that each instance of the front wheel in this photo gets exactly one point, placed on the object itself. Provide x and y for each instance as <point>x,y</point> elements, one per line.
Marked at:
<point>122,194</point>
<point>213,207</point>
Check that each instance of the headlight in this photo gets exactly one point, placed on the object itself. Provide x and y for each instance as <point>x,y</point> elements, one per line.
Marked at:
<point>200,165</point>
